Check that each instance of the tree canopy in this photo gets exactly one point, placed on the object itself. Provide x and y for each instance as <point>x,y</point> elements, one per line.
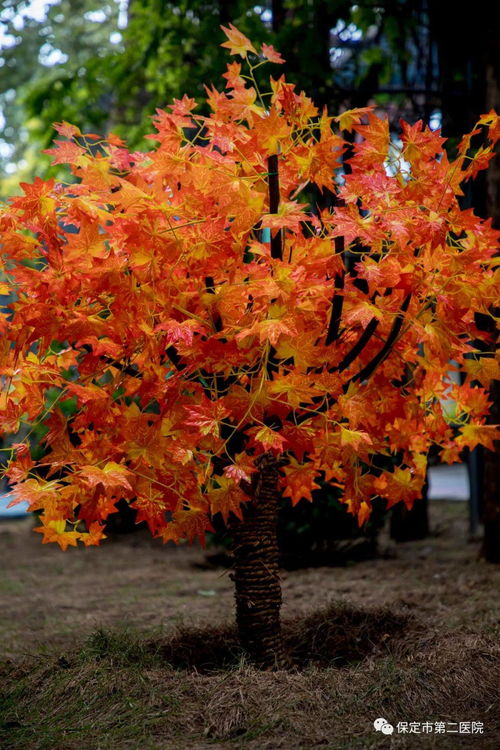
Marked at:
<point>191,348</point>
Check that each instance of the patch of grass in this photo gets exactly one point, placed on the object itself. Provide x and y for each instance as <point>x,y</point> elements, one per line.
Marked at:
<point>342,634</point>
<point>335,636</point>
<point>70,705</point>
<point>125,690</point>
<point>10,586</point>
<point>121,648</point>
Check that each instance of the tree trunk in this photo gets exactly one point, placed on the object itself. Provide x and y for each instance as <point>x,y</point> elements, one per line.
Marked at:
<point>256,573</point>
<point>491,488</point>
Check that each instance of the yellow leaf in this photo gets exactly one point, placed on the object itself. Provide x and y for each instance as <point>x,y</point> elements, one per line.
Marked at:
<point>483,369</point>
<point>351,117</point>
<point>354,437</point>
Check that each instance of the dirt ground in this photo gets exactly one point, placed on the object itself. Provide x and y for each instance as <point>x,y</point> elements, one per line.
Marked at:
<point>130,646</point>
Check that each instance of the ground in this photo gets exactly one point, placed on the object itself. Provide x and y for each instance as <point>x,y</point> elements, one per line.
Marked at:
<point>130,646</point>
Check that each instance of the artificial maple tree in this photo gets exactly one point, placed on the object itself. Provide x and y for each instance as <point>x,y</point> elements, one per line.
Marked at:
<point>212,368</point>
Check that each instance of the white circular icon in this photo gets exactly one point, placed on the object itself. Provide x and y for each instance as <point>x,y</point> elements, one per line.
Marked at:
<point>382,725</point>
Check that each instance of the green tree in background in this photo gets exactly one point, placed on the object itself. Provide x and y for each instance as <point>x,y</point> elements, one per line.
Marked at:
<point>100,65</point>
<point>110,65</point>
<point>53,67</point>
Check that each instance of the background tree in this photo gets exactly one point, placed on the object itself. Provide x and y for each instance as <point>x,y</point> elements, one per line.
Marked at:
<point>110,66</point>
<point>53,61</point>
<point>469,82</point>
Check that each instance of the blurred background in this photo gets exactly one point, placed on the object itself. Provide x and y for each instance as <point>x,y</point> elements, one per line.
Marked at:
<point>107,65</point>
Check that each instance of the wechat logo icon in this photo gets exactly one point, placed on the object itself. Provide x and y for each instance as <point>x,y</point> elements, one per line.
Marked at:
<point>381,725</point>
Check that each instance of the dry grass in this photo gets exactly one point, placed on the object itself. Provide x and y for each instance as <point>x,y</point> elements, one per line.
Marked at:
<point>132,648</point>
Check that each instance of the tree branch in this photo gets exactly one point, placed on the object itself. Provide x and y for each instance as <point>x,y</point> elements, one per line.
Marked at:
<point>323,403</point>
<point>363,340</point>
<point>359,346</point>
<point>274,204</point>
<point>171,353</point>
<point>366,371</point>
<point>336,312</point>
<point>216,318</point>
<point>126,369</point>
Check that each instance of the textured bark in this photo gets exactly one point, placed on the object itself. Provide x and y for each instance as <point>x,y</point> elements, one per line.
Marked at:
<point>256,573</point>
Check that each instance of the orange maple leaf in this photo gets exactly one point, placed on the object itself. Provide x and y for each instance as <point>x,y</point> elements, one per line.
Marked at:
<point>192,523</point>
<point>352,117</point>
<point>67,129</point>
<point>113,478</point>
<point>55,531</point>
<point>94,536</point>
<point>226,498</point>
<point>299,481</point>
<point>270,439</point>
<point>472,435</point>
<point>237,43</point>
<point>65,152</point>
<point>270,54</point>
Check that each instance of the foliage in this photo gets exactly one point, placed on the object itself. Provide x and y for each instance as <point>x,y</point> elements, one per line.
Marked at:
<point>147,293</point>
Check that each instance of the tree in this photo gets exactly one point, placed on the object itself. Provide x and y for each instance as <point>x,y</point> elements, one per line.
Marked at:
<point>209,371</point>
